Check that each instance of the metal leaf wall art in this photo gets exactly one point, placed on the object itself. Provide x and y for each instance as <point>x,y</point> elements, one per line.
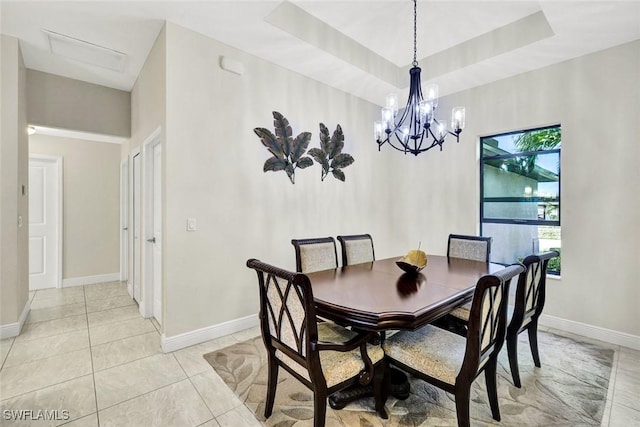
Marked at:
<point>330,155</point>
<point>289,153</point>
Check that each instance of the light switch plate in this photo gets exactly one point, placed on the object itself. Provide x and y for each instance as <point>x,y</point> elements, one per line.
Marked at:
<point>191,224</point>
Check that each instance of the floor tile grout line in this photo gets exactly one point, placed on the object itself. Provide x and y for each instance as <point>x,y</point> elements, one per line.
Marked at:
<point>49,336</point>
<point>7,355</point>
<point>55,318</point>
<point>110,308</point>
<point>612,384</point>
<point>196,389</point>
<point>130,336</point>
<point>140,395</point>
<point>128,361</point>
<point>125,294</point>
<point>93,371</point>
<point>43,388</point>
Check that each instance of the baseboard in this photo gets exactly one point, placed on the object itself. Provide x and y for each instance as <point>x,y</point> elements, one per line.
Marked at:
<point>198,336</point>
<point>13,329</point>
<point>90,280</point>
<point>593,332</point>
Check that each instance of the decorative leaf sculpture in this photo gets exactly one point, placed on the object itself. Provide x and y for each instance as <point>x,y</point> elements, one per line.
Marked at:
<point>330,155</point>
<point>288,153</point>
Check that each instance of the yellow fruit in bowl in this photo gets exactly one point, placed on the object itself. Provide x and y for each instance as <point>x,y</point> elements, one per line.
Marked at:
<point>413,261</point>
<point>416,257</point>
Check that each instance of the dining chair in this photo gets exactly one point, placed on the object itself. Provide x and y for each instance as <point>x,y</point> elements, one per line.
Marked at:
<point>476,248</point>
<point>325,357</point>
<point>524,314</point>
<point>315,254</point>
<point>356,249</point>
<point>529,302</point>
<point>451,362</point>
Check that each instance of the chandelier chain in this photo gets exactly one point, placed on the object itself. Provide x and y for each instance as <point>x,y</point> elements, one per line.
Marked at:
<point>415,33</point>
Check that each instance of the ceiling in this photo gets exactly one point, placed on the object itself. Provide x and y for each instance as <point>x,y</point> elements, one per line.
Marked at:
<point>361,47</point>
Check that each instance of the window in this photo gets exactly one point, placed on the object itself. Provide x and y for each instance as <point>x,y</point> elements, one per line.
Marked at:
<point>520,194</point>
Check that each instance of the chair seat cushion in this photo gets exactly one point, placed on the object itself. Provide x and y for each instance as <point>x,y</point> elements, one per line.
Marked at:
<point>430,350</point>
<point>337,366</point>
<point>462,312</point>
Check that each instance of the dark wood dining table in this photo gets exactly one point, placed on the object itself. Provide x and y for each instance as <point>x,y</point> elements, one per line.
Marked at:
<point>378,296</point>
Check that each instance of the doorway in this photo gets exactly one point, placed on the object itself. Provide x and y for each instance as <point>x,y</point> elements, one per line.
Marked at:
<point>152,188</point>
<point>45,221</point>
<point>136,218</point>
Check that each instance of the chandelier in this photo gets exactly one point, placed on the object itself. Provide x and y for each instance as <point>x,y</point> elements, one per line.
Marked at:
<point>416,130</point>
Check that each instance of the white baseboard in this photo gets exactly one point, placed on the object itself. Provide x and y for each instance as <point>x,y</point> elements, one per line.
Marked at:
<point>14,329</point>
<point>198,336</point>
<point>590,331</point>
<point>90,280</point>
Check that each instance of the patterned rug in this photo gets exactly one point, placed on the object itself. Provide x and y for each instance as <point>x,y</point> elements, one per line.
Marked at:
<point>569,390</point>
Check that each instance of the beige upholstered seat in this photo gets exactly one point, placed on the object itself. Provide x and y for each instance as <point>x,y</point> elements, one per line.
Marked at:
<point>337,366</point>
<point>315,254</point>
<point>325,357</point>
<point>356,249</point>
<point>451,362</point>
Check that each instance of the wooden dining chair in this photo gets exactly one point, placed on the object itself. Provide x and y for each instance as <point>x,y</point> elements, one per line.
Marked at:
<point>524,314</point>
<point>476,248</point>
<point>356,249</point>
<point>315,254</point>
<point>529,302</point>
<point>325,357</point>
<point>451,362</point>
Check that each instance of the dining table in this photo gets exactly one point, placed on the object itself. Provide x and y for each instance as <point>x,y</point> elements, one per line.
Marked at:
<point>378,296</point>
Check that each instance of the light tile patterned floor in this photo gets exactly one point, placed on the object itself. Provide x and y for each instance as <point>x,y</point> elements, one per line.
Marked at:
<point>86,350</point>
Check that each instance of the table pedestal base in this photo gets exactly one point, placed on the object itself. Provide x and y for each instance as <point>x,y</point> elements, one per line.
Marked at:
<point>400,389</point>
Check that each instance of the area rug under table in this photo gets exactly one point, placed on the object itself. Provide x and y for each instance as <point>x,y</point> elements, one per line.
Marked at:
<point>569,390</point>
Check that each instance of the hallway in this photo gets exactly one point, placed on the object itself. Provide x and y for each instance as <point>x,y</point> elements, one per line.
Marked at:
<point>88,358</point>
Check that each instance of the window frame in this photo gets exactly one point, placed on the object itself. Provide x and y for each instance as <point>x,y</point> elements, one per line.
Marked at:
<point>483,200</point>
<point>531,222</point>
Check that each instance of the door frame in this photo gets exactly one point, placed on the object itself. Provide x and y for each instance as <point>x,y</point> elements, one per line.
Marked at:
<point>148,146</point>
<point>132,241</point>
<point>59,162</point>
<point>124,220</point>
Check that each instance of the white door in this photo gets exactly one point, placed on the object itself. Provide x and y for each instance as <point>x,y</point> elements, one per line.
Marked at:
<point>157,232</point>
<point>44,222</point>
<point>136,206</point>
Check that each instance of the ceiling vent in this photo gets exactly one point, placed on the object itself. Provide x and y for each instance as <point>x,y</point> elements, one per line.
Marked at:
<point>86,52</point>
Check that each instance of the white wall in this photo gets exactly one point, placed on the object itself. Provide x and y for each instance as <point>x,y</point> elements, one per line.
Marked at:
<point>14,146</point>
<point>91,211</point>
<point>596,100</point>
<point>214,174</point>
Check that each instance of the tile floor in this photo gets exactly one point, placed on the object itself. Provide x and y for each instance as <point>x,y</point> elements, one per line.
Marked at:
<point>86,350</point>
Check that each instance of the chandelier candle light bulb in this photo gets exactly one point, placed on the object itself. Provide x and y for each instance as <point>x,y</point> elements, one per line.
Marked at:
<point>413,131</point>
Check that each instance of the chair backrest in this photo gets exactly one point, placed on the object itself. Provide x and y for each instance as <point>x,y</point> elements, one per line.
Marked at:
<point>530,293</point>
<point>475,248</point>
<point>287,314</point>
<point>487,319</point>
<point>356,249</point>
<point>315,254</point>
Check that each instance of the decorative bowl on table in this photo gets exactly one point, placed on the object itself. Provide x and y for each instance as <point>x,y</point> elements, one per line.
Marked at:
<point>413,261</point>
